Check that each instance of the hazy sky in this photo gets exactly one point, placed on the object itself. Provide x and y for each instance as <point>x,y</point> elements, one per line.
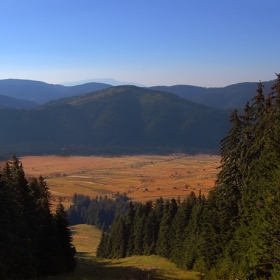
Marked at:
<point>153,42</point>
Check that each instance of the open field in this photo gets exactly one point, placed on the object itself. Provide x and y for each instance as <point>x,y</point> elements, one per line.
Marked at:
<point>86,239</point>
<point>140,177</point>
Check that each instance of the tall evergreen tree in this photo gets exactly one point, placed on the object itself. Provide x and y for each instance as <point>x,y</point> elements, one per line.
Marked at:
<point>178,230</point>
<point>163,242</point>
<point>150,234</point>
<point>67,251</point>
<point>27,238</point>
<point>129,222</point>
<point>118,239</point>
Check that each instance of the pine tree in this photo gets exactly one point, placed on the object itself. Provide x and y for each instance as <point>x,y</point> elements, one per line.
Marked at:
<point>247,248</point>
<point>150,234</point>
<point>163,243</point>
<point>179,226</point>
<point>29,238</point>
<point>101,249</point>
<point>129,222</point>
<point>67,251</point>
<point>8,239</point>
<point>193,243</point>
<point>139,227</point>
<point>119,239</point>
<point>22,214</point>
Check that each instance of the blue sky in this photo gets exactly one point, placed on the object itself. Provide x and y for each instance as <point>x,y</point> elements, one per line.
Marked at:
<point>154,42</point>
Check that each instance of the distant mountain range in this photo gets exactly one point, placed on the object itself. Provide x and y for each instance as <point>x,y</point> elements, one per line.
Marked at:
<point>97,118</point>
<point>112,82</point>
<point>40,92</point>
<point>229,97</point>
<point>123,119</point>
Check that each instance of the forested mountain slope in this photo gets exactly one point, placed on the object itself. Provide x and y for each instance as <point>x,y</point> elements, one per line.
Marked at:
<point>229,97</point>
<point>124,119</point>
<point>10,102</point>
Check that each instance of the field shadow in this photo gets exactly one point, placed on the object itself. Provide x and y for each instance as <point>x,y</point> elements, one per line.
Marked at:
<point>116,270</point>
<point>90,268</point>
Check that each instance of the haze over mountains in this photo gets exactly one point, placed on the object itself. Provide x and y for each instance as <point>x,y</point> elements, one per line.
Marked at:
<point>229,97</point>
<point>41,92</point>
<point>112,82</point>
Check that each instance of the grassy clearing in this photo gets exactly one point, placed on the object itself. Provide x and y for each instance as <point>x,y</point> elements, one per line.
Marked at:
<point>141,177</point>
<point>86,240</point>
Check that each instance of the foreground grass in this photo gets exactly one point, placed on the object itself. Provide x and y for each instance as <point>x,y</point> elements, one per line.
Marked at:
<point>86,239</point>
<point>132,268</point>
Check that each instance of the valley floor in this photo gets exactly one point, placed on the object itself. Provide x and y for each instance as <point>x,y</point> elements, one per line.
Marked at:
<point>142,178</point>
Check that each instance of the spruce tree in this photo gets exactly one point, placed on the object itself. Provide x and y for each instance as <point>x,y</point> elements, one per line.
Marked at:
<point>118,239</point>
<point>101,249</point>
<point>163,243</point>
<point>66,249</point>
<point>193,243</point>
<point>129,222</point>
<point>32,243</point>
<point>150,234</point>
<point>178,231</point>
<point>139,227</point>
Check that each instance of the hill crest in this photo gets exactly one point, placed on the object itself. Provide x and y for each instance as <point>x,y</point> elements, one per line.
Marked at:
<point>117,120</point>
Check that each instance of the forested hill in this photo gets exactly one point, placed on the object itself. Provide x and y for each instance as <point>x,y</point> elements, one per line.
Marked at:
<point>41,92</point>
<point>123,119</point>
<point>10,102</point>
<point>229,97</point>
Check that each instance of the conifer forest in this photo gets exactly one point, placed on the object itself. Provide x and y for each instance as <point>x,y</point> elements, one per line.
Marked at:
<point>33,241</point>
<point>234,232</point>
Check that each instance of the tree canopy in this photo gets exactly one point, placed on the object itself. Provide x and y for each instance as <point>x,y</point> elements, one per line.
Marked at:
<point>33,241</point>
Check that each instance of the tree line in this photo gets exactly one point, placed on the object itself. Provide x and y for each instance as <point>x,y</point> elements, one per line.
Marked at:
<point>156,228</point>
<point>34,242</point>
<point>99,211</point>
<point>234,233</point>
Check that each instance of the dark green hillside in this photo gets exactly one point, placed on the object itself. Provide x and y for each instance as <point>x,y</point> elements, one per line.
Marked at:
<point>233,96</point>
<point>184,91</point>
<point>229,97</point>
<point>10,102</point>
<point>124,119</point>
